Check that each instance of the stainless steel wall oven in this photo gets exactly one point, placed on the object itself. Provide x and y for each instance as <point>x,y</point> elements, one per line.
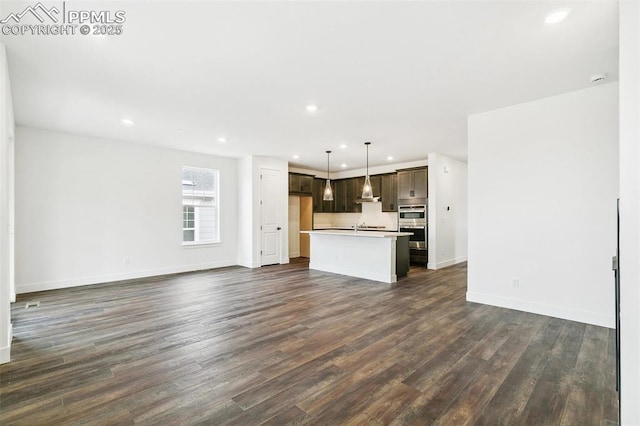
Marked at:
<point>413,218</point>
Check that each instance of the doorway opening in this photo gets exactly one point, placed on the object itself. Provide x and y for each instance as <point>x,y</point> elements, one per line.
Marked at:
<point>300,219</point>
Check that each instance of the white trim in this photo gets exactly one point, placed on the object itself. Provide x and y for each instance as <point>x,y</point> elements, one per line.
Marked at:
<point>555,311</point>
<point>446,263</point>
<point>98,279</point>
<point>11,149</point>
<point>196,226</point>
<point>186,244</point>
<point>5,352</point>
<point>293,255</point>
<point>249,264</point>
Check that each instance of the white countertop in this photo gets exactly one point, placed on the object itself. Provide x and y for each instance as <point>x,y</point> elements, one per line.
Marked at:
<point>375,234</point>
<point>347,228</point>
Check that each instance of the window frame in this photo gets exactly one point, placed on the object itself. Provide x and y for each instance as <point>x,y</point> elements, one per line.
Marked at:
<point>196,213</point>
<point>185,221</point>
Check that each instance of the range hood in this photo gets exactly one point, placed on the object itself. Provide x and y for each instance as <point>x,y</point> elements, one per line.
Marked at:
<point>368,200</point>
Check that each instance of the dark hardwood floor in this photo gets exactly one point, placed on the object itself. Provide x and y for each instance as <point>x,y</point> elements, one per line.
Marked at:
<point>285,345</point>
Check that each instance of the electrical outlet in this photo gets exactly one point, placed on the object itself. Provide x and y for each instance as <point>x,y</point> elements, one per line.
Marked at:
<point>127,261</point>
<point>515,283</point>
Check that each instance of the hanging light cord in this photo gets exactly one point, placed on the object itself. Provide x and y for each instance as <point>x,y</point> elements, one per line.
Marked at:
<point>329,152</point>
<point>367,157</point>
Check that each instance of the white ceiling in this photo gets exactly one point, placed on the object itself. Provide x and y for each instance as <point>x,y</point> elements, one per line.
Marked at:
<point>403,75</point>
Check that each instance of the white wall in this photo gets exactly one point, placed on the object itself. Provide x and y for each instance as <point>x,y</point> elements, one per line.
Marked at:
<point>249,241</point>
<point>447,239</point>
<point>246,236</point>
<point>543,183</point>
<point>86,205</point>
<point>7,293</point>
<point>294,226</point>
<point>630,210</point>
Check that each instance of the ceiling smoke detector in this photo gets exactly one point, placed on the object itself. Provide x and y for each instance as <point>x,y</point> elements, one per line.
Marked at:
<point>598,78</point>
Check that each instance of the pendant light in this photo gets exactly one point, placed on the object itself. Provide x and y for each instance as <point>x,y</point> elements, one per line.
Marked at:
<point>367,192</point>
<point>328,192</point>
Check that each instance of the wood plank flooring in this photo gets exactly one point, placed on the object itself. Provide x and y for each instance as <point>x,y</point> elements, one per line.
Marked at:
<point>285,345</point>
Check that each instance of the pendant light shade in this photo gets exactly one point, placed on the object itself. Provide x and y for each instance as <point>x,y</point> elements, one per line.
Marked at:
<point>367,191</point>
<point>328,192</point>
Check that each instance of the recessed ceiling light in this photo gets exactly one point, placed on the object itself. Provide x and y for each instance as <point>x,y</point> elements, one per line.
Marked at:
<point>343,146</point>
<point>343,165</point>
<point>296,156</point>
<point>312,108</point>
<point>557,16</point>
<point>127,122</point>
<point>222,140</point>
<point>389,158</point>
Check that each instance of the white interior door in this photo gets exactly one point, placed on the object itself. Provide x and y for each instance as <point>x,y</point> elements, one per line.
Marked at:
<point>270,216</point>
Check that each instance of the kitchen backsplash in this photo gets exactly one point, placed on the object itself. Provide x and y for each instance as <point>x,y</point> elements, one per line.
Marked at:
<point>371,215</point>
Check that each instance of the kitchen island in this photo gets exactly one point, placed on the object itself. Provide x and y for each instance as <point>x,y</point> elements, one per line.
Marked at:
<point>374,255</point>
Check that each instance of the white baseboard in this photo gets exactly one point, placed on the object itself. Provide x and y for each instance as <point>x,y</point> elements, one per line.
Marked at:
<point>5,351</point>
<point>250,264</point>
<point>563,312</point>
<point>98,279</point>
<point>294,254</point>
<point>445,263</point>
<point>5,354</point>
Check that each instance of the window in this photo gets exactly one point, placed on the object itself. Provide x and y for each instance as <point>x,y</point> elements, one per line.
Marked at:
<point>200,207</point>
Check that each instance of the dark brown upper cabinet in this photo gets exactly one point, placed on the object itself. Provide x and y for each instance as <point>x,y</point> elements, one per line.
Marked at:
<point>318,192</point>
<point>412,186</point>
<point>300,184</point>
<point>347,191</point>
<point>339,196</point>
<point>376,185</point>
<point>389,192</point>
